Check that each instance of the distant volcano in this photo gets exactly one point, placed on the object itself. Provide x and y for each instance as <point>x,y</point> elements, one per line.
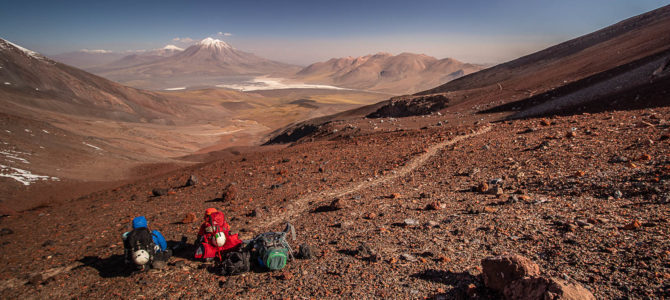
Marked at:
<point>201,63</point>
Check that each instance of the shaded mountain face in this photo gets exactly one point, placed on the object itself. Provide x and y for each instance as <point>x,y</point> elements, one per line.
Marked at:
<point>613,46</point>
<point>400,74</point>
<point>205,63</point>
<point>33,81</point>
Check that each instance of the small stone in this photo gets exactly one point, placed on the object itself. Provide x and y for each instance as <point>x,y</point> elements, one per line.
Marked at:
<point>489,209</point>
<point>443,259</point>
<point>188,218</point>
<point>192,181</point>
<point>6,231</point>
<point>496,191</point>
<point>159,265</point>
<point>336,204</point>
<point>424,195</point>
<point>633,225</point>
<point>435,205</point>
<point>408,257</point>
<point>256,212</point>
<point>285,276</point>
<point>545,122</point>
<point>432,224</point>
<point>395,196</point>
<point>364,250</point>
<point>411,222</point>
<point>617,194</point>
<point>645,157</point>
<point>570,134</point>
<point>229,193</point>
<point>580,173</point>
<point>370,216</point>
<point>619,159</point>
<point>157,192</point>
<point>483,187</point>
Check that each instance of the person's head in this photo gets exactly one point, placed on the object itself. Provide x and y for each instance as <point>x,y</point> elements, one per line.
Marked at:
<point>209,211</point>
<point>139,222</point>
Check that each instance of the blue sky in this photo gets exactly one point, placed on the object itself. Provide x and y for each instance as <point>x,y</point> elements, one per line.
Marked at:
<point>306,31</point>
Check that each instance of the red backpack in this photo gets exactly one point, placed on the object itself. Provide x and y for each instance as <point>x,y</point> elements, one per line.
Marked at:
<point>216,238</point>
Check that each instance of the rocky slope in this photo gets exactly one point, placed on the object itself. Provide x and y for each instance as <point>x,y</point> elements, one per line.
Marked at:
<point>585,196</point>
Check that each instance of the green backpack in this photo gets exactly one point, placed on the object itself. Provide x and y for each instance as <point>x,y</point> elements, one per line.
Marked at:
<point>272,248</point>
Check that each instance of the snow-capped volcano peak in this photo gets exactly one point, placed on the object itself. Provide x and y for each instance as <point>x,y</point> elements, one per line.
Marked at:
<point>172,47</point>
<point>214,43</point>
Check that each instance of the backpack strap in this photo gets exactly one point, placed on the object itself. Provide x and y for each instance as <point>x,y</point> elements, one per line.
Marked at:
<point>291,229</point>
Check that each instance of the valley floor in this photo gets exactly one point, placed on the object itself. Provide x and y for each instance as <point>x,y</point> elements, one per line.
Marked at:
<point>585,196</point>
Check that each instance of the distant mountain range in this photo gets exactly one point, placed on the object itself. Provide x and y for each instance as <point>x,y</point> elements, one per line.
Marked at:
<point>212,62</point>
<point>401,74</point>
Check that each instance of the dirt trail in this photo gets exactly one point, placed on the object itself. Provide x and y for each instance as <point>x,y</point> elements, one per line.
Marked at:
<point>301,204</point>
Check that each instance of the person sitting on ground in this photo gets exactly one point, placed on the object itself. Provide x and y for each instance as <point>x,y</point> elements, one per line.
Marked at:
<point>144,247</point>
<point>214,236</point>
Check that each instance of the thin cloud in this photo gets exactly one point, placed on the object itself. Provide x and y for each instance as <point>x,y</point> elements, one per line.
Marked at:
<point>185,40</point>
<point>224,33</point>
<point>96,51</point>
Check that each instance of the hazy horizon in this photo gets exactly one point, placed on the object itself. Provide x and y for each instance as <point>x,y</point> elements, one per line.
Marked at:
<point>304,32</point>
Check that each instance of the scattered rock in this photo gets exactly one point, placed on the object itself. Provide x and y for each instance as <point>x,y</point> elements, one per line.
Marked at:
<point>546,288</point>
<point>304,251</point>
<point>188,218</point>
<point>633,225</point>
<point>336,204</point>
<point>285,276</point>
<point>256,212</point>
<point>345,224</point>
<point>157,192</point>
<point>408,257</point>
<point>229,193</point>
<point>6,231</point>
<point>159,265</point>
<point>370,216</point>
<point>617,194</point>
<point>192,181</point>
<point>410,222</point>
<point>496,191</point>
<point>619,159</point>
<point>364,250</point>
<point>500,271</point>
<point>435,205</point>
<point>483,187</point>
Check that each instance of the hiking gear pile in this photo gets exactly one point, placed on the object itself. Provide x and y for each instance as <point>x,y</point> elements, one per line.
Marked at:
<point>214,236</point>
<point>142,246</point>
<point>272,250</point>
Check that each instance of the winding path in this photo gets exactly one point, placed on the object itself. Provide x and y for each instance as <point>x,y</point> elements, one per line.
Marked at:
<point>301,204</point>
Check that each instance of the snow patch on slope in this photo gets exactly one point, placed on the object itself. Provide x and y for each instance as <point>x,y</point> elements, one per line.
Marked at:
<point>28,52</point>
<point>23,176</point>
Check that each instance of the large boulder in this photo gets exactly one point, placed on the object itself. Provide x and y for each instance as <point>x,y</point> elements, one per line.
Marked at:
<point>543,288</point>
<point>500,271</point>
